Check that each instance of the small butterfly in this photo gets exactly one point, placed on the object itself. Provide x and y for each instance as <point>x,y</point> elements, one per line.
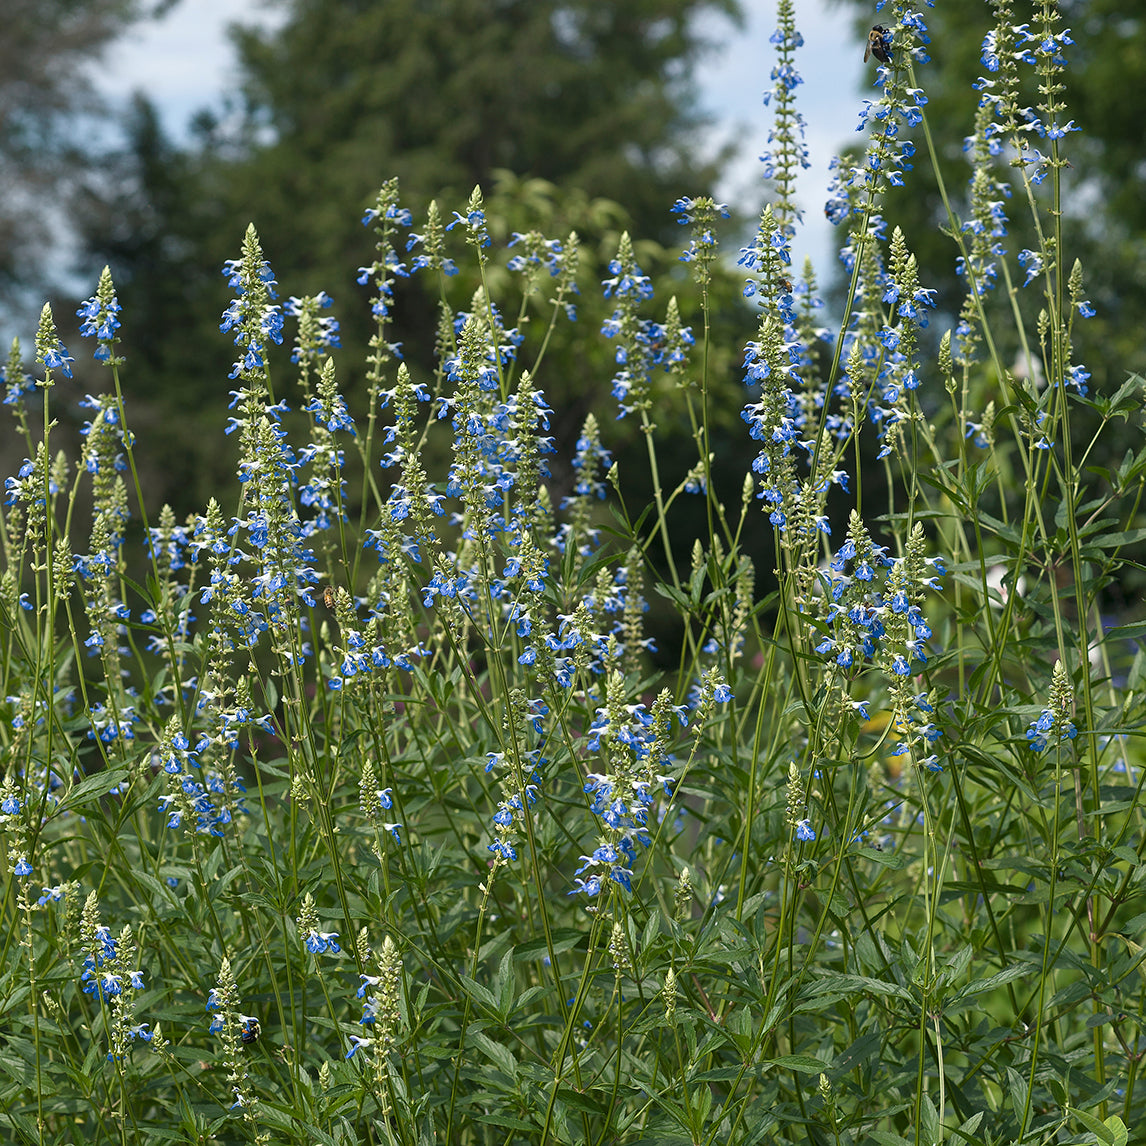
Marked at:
<point>878,43</point>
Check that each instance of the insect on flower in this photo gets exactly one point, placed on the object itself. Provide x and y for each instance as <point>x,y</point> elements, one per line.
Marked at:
<point>328,598</point>
<point>878,43</point>
<point>249,1030</point>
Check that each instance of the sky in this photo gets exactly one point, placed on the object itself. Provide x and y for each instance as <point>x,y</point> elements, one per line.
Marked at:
<point>185,62</point>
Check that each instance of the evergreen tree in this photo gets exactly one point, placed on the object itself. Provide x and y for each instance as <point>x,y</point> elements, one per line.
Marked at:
<point>589,100</point>
<point>43,87</point>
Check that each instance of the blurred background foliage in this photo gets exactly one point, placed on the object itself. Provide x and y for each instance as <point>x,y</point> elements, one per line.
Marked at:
<point>42,91</point>
<point>1103,205</point>
<point>572,115</point>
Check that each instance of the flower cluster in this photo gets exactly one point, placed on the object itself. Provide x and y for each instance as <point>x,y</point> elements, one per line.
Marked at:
<point>787,148</point>
<point>701,215</point>
<point>900,106</point>
<point>252,314</point>
<point>540,258</point>
<point>1054,725</point>
<point>634,746</point>
<point>642,344</point>
<point>14,825</point>
<point>380,995</point>
<point>872,610</point>
<point>108,975</point>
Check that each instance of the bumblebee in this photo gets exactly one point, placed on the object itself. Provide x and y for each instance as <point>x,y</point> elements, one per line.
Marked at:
<point>328,598</point>
<point>249,1030</point>
<point>878,43</point>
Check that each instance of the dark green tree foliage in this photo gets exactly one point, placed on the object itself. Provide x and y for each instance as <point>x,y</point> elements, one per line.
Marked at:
<point>43,47</point>
<point>592,96</point>
<point>1105,211</point>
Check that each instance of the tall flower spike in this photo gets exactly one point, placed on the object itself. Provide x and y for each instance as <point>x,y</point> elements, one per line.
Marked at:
<point>772,419</point>
<point>324,491</point>
<point>887,156</point>
<point>802,826</point>
<point>986,227</point>
<point>619,949</point>
<point>745,602</point>
<point>788,150</point>
<point>477,474</point>
<point>50,351</point>
<point>381,1000</point>
<point>701,214</point>
<point>317,334</point>
<point>520,778</point>
<point>639,340</point>
<point>539,259</point>
<point>634,643</point>
<point>474,222</point>
<point>124,1029</point>
<point>253,316</point>
<point>624,735</point>
<point>18,384</point>
<point>768,259</point>
<point>101,320</point>
<point>682,896</point>
<point>527,445</point>
<point>892,403</point>
<point>386,216</point>
<point>234,1030</point>
<point>1054,725</point>
<point>433,243</point>
<point>591,457</point>
<point>15,812</point>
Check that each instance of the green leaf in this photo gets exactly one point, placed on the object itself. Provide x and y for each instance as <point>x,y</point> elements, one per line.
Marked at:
<point>92,788</point>
<point>506,1121</point>
<point>1102,1131</point>
<point>480,993</point>
<point>496,1052</point>
<point>1118,1128</point>
<point>505,986</point>
<point>580,1100</point>
<point>801,1063</point>
<point>896,861</point>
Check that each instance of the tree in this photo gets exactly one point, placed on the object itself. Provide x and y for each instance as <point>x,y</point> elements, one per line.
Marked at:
<point>43,87</point>
<point>592,96</point>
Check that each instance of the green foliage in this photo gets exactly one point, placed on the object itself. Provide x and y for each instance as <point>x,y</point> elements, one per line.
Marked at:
<point>1104,212</point>
<point>562,111</point>
<point>44,53</point>
<point>336,818</point>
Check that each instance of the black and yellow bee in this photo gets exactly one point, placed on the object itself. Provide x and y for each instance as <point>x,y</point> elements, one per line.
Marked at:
<point>249,1030</point>
<point>328,598</point>
<point>878,43</point>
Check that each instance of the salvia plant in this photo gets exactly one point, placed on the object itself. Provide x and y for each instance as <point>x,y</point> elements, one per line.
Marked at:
<point>360,806</point>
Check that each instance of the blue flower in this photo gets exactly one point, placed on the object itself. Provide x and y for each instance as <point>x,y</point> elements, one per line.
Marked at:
<point>319,942</point>
<point>1038,733</point>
